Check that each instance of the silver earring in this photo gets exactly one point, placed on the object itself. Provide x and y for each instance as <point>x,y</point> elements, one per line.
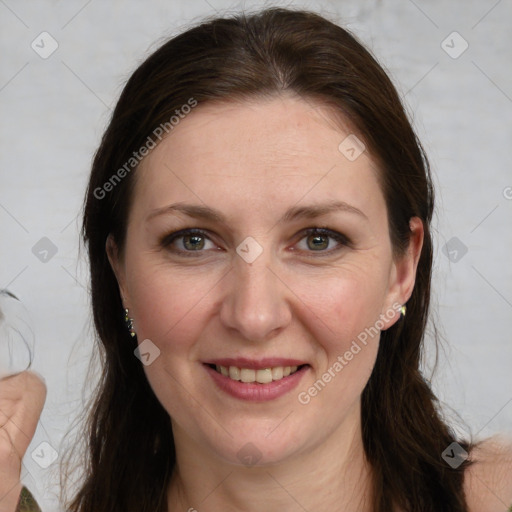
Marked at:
<point>129,323</point>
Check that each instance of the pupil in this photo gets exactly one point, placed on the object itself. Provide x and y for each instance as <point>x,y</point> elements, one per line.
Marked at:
<point>319,242</point>
<point>193,242</point>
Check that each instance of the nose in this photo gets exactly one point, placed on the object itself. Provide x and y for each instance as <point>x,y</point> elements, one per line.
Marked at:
<point>256,302</point>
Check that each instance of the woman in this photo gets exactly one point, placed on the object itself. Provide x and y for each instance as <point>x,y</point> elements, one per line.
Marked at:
<point>258,225</point>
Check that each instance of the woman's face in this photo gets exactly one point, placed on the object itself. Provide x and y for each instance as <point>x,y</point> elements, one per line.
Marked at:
<point>253,290</point>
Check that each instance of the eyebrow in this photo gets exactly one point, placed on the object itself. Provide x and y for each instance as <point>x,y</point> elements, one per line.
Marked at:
<point>294,213</point>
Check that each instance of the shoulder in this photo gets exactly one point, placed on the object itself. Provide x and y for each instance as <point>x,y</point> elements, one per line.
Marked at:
<point>488,481</point>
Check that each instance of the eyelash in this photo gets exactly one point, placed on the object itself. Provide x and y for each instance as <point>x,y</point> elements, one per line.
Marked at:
<point>342,240</point>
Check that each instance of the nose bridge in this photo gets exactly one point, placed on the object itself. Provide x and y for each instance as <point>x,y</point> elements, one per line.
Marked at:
<point>255,303</point>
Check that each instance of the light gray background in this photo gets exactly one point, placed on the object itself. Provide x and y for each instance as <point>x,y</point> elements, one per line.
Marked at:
<point>54,111</point>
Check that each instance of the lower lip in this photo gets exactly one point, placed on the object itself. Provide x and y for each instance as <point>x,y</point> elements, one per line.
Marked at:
<point>254,392</point>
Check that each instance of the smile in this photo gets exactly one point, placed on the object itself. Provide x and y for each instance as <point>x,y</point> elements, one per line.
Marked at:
<point>261,383</point>
<point>261,376</point>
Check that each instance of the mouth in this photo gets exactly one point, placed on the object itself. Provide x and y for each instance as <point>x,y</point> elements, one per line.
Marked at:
<point>256,381</point>
<point>256,375</point>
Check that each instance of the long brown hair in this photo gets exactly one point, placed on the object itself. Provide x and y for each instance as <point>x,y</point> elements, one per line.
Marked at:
<point>129,444</point>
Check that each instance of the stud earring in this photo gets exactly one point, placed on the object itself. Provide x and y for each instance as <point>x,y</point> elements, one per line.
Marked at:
<point>129,322</point>
<point>403,310</point>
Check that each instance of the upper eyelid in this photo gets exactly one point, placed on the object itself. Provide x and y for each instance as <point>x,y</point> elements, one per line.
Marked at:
<point>170,237</point>
<point>323,231</point>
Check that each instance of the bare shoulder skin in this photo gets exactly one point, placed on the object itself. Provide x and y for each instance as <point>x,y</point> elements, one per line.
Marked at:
<point>488,482</point>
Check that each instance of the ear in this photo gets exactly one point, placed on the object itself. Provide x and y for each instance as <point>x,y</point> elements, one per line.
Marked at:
<point>117,265</point>
<point>403,274</point>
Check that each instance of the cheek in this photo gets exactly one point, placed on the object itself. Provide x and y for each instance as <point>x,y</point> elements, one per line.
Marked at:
<point>171,310</point>
<point>166,305</point>
<point>343,319</point>
<point>345,353</point>
<point>345,304</point>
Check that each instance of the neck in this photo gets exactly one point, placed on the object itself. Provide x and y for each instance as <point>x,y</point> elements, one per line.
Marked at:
<point>331,476</point>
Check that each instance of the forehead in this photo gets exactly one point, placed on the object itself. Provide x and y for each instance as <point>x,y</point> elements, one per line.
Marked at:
<point>259,152</point>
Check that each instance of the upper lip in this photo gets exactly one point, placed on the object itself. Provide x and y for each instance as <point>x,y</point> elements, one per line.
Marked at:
<point>255,364</point>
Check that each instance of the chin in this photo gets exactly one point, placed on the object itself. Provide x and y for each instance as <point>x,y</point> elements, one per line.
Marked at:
<point>254,444</point>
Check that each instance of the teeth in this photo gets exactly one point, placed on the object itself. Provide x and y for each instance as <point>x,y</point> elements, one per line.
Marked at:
<point>263,376</point>
<point>234,372</point>
<point>277,373</point>
<point>247,375</point>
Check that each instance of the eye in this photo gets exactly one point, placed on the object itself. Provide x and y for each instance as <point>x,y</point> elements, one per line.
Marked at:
<point>193,242</point>
<point>188,241</point>
<point>322,240</point>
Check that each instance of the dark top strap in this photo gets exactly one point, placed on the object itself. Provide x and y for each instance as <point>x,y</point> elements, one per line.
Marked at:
<point>27,502</point>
